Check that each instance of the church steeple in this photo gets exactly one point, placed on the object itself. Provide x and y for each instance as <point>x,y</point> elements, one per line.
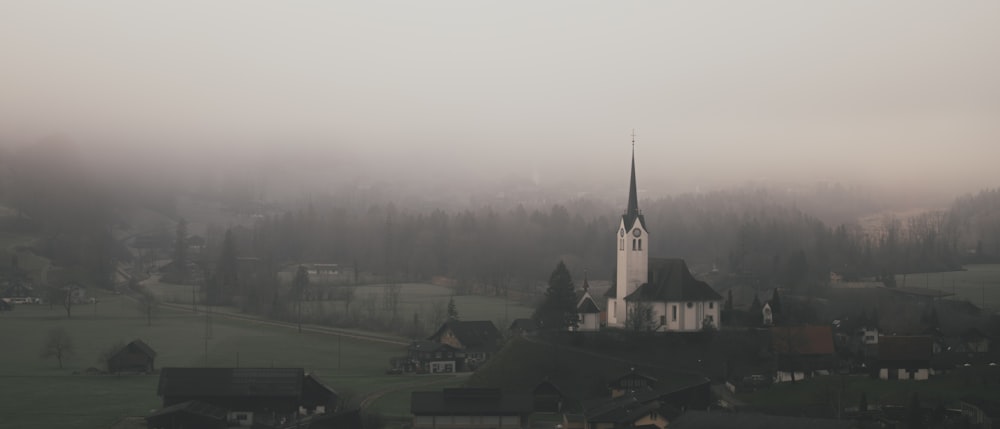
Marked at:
<point>633,198</point>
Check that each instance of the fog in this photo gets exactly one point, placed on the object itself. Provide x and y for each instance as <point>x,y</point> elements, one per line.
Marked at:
<point>893,94</point>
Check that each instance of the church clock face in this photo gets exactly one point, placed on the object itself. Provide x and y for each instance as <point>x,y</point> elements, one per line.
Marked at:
<point>622,232</point>
<point>636,232</point>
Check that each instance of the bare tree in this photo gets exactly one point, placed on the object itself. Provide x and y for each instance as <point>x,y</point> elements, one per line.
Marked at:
<point>147,304</point>
<point>640,316</point>
<point>59,345</point>
<point>299,285</point>
<point>346,294</point>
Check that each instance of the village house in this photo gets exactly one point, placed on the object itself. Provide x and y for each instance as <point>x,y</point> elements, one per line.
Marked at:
<point>475,341</point>
<point>802,352</point>
<point>188,414</point>
<point>249,396</point>
<point>678,302</point>
<point>470,408</point>
<point>637,399</point>
<point>904,357</point>
<point>627,411</point>
<point>522,326</point>
<point>727,420</point>
<point>135,356</point>
<point>431,357</point>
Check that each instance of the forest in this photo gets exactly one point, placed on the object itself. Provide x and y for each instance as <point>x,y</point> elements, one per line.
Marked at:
<point>743,231</point>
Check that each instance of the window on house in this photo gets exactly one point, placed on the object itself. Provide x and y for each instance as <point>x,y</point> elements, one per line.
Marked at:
<point>621,244</point>
<point>690,305</point>
<point>711,305</point>
<point>674,312</point>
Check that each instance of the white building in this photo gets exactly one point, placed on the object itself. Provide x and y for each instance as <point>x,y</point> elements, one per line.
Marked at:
<point>663,287</point>
<point>587,310</point>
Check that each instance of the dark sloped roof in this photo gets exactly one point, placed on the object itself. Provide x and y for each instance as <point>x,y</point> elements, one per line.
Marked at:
<point>429,347</point>
<point>632,374</point>
<point>350,419</point>
<point>802,340</point>
<point>670,280</point>
<point>586,303</point>
<point>905,348</point>
<point>626,409</point>
<point>725,420</point>
<point>231,382</point>
<point>470,401</point>
<point>472,334</point>
<point>141,346</point>
<point>197,408</point>
<point>612,292</point>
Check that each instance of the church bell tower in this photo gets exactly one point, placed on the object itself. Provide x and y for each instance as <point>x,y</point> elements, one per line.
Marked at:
<point>632,246</point>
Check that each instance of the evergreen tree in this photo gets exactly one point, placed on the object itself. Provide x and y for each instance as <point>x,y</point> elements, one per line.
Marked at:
<point>558,310</point>
<point>452,310</point>
<point>756,318</point>
<point>775,303</point>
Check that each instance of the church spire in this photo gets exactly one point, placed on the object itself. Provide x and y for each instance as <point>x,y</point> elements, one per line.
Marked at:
<point>633,198</point>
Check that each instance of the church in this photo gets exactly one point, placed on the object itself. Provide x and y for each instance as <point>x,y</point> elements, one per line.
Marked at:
<point>661,291</point>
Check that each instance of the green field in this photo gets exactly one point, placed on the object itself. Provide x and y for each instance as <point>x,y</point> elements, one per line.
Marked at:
<point>979,284</point>
<point>35,393</point>
<point>417,298</point>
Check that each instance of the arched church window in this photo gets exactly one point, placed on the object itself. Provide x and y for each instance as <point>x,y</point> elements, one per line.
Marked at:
<point>633,244</point>
<point>640,244</point>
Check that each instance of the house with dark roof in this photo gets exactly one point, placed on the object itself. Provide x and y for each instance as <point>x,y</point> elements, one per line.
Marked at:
<point>802,352</point>
<point>350,419</point>
<point>188,414</point>
<point>631,381</point>
<point>677,300</point>
<point>726,420</point>
<point>637,399</point>
<point>523,326</point>
<point>135,356</point>
<point>471,408</point>
<point>249,396</point>
<point>627,411</point>
<point>477,341</point>
<point>430,357</point>
<point>904,357</point>
<point>588,310</point>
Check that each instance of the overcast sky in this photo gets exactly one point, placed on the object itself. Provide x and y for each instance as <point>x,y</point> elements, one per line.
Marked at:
<point>891,92</point>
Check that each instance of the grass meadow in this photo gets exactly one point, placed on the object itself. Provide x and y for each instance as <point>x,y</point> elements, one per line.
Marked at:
<point>979,284</point>
<point>35,393</point>
<point>420,298</point>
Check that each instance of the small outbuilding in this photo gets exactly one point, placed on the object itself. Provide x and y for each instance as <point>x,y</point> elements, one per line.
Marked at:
<point>136,356</point>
